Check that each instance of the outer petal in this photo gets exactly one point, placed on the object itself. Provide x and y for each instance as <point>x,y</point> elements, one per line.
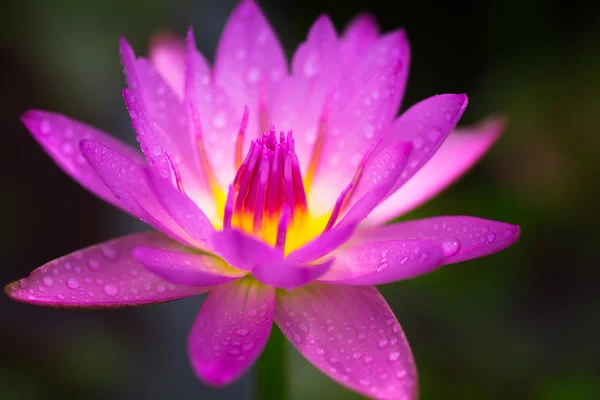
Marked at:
<point>384,262</point>
<point>183,211</point>
<point>160,120</point>
<point>129,183</point>
<point>393,160</point>
<point>60,137</point>
<point>186,268</point>
<point>167,54</point>
<point>231,330</point>
<point>461,238</point>
<point>351,335</point>
<point>461,150</point>
<point>288,275</point>
<point>250,62</point>
<point>426,125</point>
<point>242,251</point>
<point>104,275</point>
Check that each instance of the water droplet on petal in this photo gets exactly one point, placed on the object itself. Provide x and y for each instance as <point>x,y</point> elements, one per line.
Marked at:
<point>72,283</point>
<point>450,247</point>
<point>47,281</point>
<point>110,289</point>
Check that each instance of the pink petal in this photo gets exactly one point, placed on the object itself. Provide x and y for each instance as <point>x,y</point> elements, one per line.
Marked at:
<point>351,335</point>
<point>288,275</point>
<point>461,238</point>
<point>365,107</point>
<point>303,97</point>
<point>186,268</point>
<point>358,37</point>
<point>231,330</point>
<point>160,121</point>
<point>384,262</point>
<point>242,251</point>
<point>461,150</point>
<point>167,54</point>
<point>104,275</point>
<point>214,117</point>
<point>183,211</point>
<point>392,160</point>
<point>426,125</point>
<point>60,137</point>
<point>250,62</point>
<point>128,181</point>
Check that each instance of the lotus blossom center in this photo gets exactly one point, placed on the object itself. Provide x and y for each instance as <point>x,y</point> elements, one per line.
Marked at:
<point>267,197</point>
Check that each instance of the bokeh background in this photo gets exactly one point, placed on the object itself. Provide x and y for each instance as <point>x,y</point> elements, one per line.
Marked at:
<point>521,324</point>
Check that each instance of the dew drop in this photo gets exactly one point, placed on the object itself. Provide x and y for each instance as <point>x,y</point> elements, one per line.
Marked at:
<point>383,343</point>
<point>491,237</point>
<point>47,281</point>
<point>110,289</point>
<point>394,356</point>
<point>450,247</point>
<point>72,283</point>
<point>242,332</point>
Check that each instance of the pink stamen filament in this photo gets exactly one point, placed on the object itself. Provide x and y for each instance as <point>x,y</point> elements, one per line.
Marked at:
<point>338,207</point>
<point>282,228</point>
<point>319,144</point>
<point>176,172</point>
<point>239,143</point>
<point>359,170</point>
<point>228,213</point>
<point>267,182</point>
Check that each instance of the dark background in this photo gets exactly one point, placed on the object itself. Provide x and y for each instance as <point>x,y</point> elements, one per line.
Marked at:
<point>521,324</point>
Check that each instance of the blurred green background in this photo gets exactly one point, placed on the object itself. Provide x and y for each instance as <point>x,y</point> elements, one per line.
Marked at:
<point>521,324</point>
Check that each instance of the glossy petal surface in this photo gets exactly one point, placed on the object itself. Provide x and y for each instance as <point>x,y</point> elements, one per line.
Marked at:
<point>289,275</point>
<point>100,276</point>
<point>250,63</point>
<point>167,54</point>
<point>189,269</point>
<point>461,150</point>
<point>231,330</point>
<point>60,137</point>
<point>129,182</point>
<point>461,238</point>
<point>351,335</point>
<point>384,262</point>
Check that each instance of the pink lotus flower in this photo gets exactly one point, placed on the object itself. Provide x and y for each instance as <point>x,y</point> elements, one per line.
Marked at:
<point>276,227</point>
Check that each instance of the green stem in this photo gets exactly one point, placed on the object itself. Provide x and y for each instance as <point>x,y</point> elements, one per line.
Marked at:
<point>271,368</point>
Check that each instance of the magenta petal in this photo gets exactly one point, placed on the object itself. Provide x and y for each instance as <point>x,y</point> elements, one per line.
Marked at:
<point>461,150</point>
<point>392,161</point>
<point>384,262</point>
<point>250,62</point>
<point>167,54</point>
<point>351,335</point>
<point>214,118</point>
<point>358,37</point>
<point>231,330</point>
<point>160,121</point>
<point>60,137</point>
<point>352,130</point>
<point>304,97</point>
<point>128,181</point>
<point>183,211</point>
<point>426,125</point>
<point>461,238</point>
<point>288,275</point>
<point>242,251</point>
<point>104,275</point>
<point>186,268</point>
